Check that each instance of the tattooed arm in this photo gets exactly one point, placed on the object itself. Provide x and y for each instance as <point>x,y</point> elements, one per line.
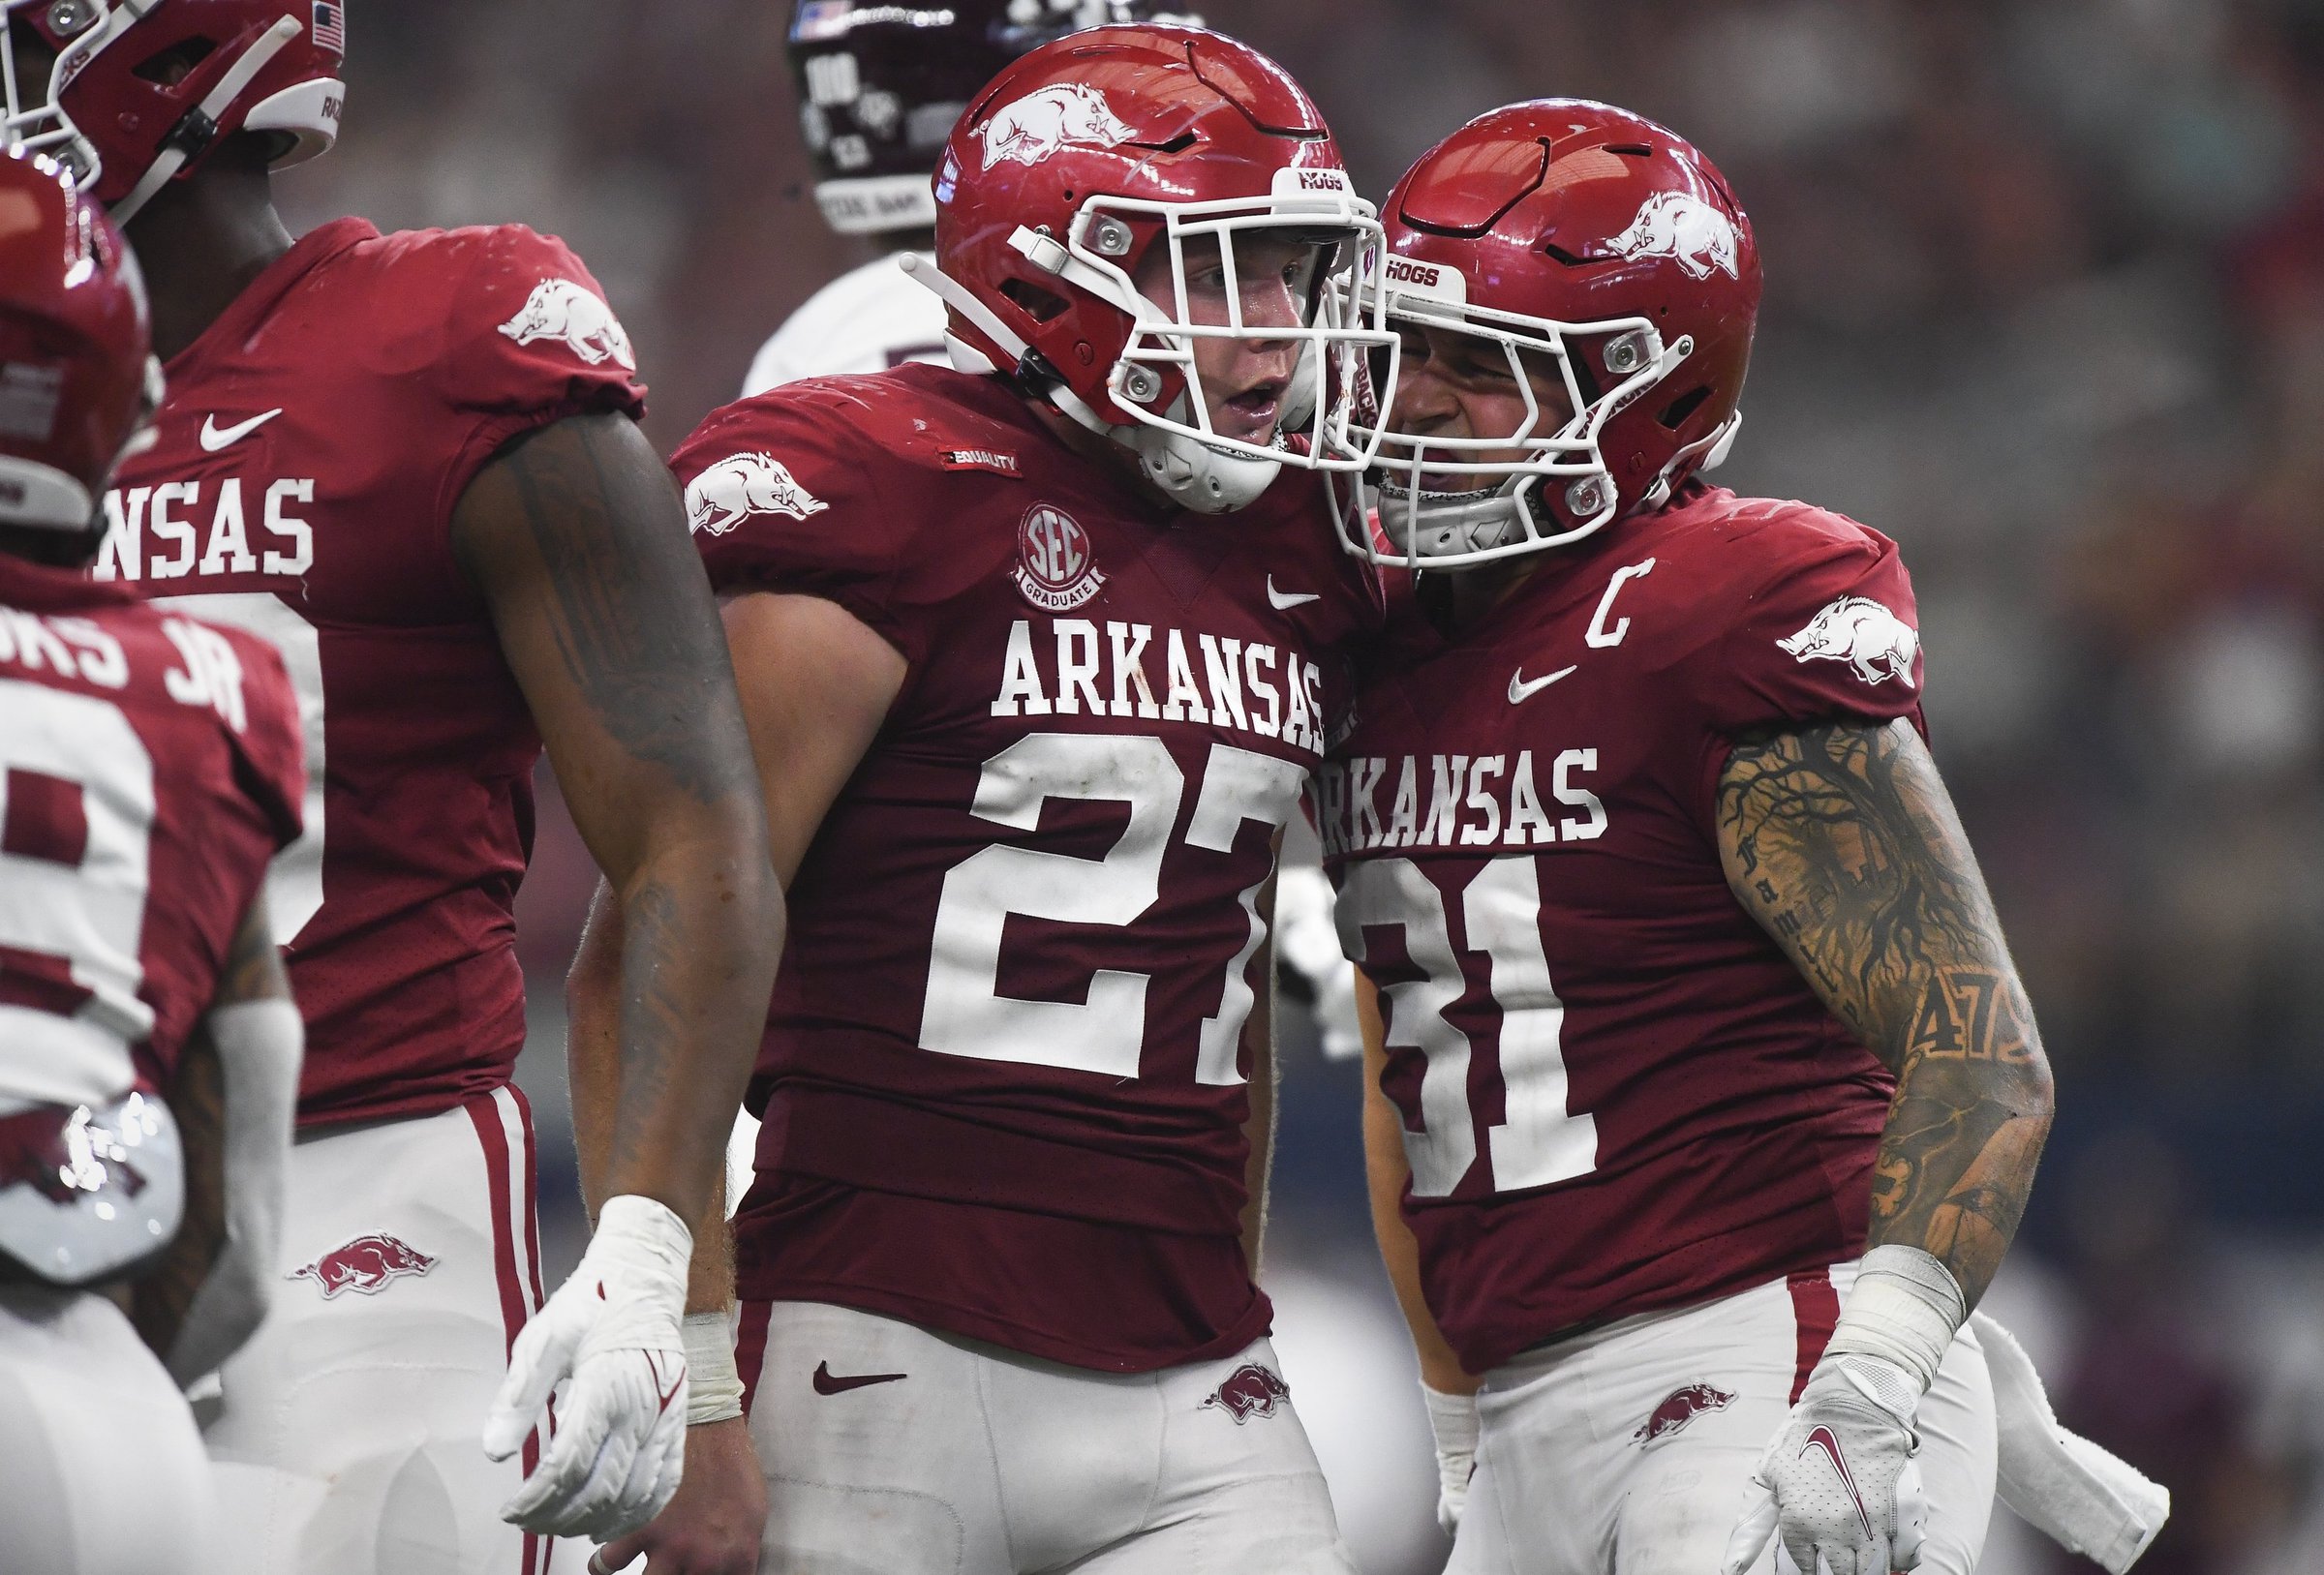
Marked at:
<point>1842,841</point>
<point>578,541</point>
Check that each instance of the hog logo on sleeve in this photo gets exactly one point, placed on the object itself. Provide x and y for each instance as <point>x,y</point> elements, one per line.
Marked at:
<point>1682,226</point>
<point>1250,1391</point>
<point>1863,633</point>
<point>742,485</point>
<point>562,310</point>
<point>1037,125</point>
<point>364,1264</point>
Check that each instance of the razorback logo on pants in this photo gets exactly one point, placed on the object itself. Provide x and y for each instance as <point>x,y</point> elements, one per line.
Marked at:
<point>1679,1408</point>
<point>365,1265</point>
<point>1250,1391</point>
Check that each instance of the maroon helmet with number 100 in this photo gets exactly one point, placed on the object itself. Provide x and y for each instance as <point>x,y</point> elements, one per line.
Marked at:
<point>1590,246</point>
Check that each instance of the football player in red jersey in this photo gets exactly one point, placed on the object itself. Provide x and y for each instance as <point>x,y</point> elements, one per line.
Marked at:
<point>880,89</point>
<point>149,768</point>
<point>411,461</point>
<point>1705,1095</point>
<point>1036,655</point>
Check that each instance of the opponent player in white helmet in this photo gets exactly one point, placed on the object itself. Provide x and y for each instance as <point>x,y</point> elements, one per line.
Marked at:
<point>879,89</point>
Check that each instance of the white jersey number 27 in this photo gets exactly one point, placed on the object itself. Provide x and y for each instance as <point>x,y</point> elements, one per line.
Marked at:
<point>1537,1140</point>
<point>1105,1034</point>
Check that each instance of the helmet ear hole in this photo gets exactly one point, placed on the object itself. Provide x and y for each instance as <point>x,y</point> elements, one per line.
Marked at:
<point>1041,303</point>
<point>171,65</point>
<point>1674,414</point>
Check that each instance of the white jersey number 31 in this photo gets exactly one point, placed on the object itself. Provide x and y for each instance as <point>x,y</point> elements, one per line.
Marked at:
<point>1537,1140</point>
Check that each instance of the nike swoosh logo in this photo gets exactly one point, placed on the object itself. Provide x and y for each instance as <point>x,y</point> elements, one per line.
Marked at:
<point>1285,600</point>
<point>654,1365</point>
<point>1522,688</point>
<point>214,436</point>
<point>1822,1439</point>
<point>826,1384</point>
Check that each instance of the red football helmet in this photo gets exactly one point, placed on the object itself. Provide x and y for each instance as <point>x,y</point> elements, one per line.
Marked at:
<point>76,377</point>
<point>143,90</point>
<point>1078,159</point>
<point>1573,235</point>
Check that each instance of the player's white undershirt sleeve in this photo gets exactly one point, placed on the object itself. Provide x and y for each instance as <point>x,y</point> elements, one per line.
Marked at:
<point>868,319</point>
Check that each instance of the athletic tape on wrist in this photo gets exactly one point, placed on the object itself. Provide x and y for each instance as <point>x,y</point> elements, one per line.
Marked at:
<point>1452,1421</point>
<point>714,1388</point>
<point>1905,1308</point>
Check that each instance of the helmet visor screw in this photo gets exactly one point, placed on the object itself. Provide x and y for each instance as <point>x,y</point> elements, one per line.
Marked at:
<point>1110,238</point>
<point>1626,353</point>
<point>67,18</point>
<point>1142,383</point>
<point>1587,497</point>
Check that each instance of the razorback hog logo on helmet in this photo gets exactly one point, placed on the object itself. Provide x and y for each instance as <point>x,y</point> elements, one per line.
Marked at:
<point>365,1265</point>
<point>1037,125</point>
<point>1679,1408</point>
<point>1250,1391</point>
<point>1682,226</point>
<point>559,309</point>
<point>1863,633</point>
<point>742,485</point>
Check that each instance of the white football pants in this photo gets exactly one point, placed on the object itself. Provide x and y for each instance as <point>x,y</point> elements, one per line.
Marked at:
<point>1625,1451</point>
<point>963,1458</point>
<point>409,1262</point>
<point>101,1470</point>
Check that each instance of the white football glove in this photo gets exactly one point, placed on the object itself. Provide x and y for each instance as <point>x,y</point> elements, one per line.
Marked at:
<point>1453,1423</point>
<point>1839,1482</point>
<point>613,1329</point>
<point>1307,940</point>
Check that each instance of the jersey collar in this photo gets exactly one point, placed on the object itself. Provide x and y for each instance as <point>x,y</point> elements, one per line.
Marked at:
<point>240,320</point>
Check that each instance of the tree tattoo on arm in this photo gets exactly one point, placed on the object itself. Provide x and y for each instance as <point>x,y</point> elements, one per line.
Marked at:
<point>1841,841</point>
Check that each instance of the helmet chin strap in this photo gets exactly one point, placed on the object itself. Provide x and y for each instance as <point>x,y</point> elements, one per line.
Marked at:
<point>1455,524</point>
<point>1192,475</point>
<point>1195,475</point>
<point>1448,525</point>
<point>199,128</point>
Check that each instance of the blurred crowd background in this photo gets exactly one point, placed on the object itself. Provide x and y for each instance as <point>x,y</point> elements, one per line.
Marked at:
<point>2045,302</point>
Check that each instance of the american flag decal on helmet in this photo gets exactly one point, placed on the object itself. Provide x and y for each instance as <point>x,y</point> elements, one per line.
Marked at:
<point>330,27</point>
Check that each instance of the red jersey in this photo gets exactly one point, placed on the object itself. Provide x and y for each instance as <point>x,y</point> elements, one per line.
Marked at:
<point>1002,1079</point>
<point>1619,1093</point>
<point>149,768</point>
<point>314,443</point>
